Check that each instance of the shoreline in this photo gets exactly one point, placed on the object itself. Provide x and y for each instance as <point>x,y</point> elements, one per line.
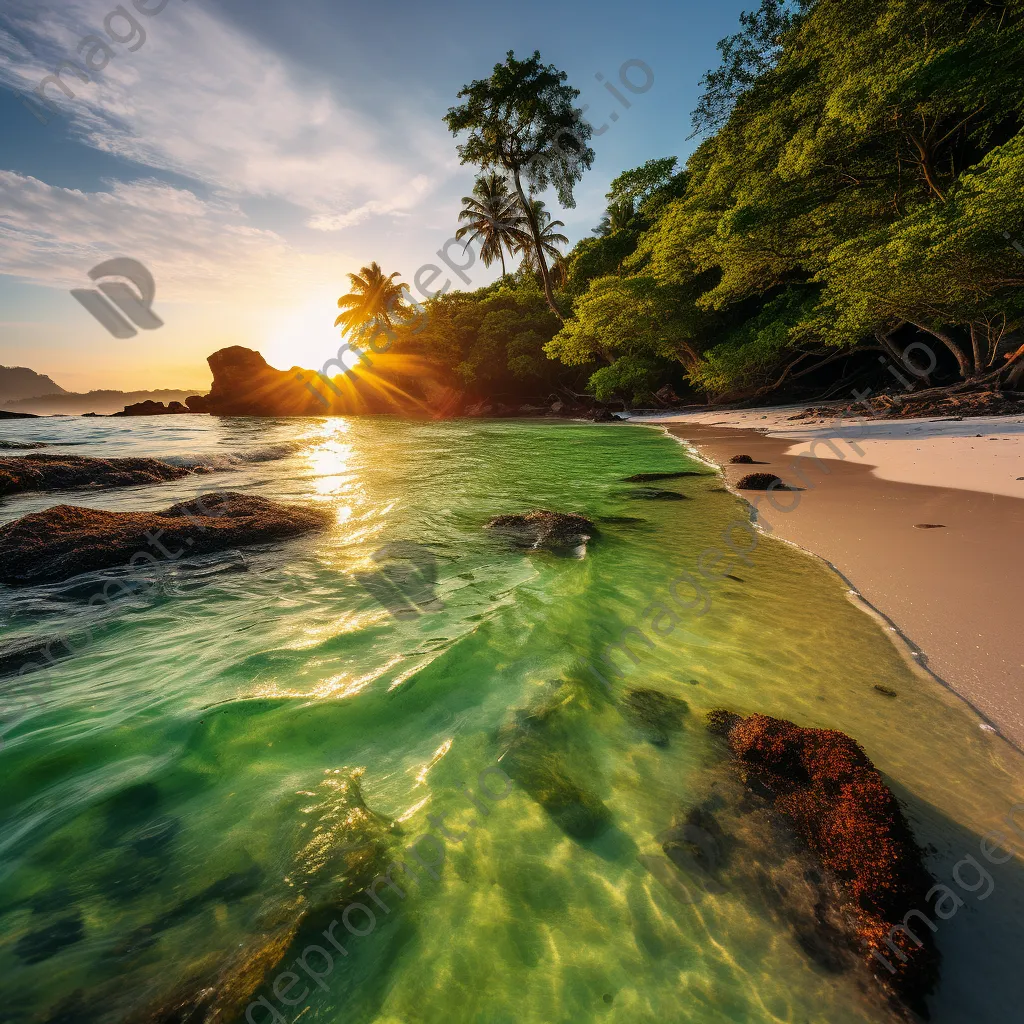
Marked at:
<point>949,592</point>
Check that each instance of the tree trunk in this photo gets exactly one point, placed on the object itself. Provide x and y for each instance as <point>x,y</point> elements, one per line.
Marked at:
<point>958,352</point>
<point>549,292</point>
<point>501,253</point>
<point>979,360</point>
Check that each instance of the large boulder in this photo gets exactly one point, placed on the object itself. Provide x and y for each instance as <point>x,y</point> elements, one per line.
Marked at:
<point>69,472</point>
<point>553,531</point>
<point>822,784</point>
<point>63,541</point>
<point>244,384</point>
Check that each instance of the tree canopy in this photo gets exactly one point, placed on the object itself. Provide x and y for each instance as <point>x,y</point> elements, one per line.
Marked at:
<point>523,121</point>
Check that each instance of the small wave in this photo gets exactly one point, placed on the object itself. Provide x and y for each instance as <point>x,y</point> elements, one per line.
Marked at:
<point>212,461</point>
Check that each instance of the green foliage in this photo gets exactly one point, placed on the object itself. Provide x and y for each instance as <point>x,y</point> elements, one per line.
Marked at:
<point>635,186</point>
<point>493,218</point>
<point>748,357</point>
<point>746,56</point>
<point>523,121</point>
<point>493,339</point>
<point>861,185</point>
<point>630,377</point>
<point>597,257</point>
<point>633,316</point>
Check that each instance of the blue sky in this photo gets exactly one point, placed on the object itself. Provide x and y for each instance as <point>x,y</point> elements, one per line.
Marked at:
<point>250,153</point>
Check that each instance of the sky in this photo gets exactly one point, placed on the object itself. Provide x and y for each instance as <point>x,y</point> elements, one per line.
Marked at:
<point>251,153</point>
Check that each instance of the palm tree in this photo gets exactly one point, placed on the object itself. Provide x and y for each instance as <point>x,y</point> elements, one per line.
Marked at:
<point>374,300</point>
<point>620,216</point>
<point>494,218</point>
<point>550,238</point>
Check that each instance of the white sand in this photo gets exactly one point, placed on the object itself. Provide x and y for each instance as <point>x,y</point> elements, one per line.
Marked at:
<point>935,453</point>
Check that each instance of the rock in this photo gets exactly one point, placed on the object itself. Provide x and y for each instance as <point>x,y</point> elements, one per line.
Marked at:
<point>742,460</point>
<point>68,472</point>
<point>655,714</point>
<point>37,946</point>
<point>66,540</point>
<point>4,415</point>
<point>21,655</point>
<point>605,415</point>
<point>667,396</point>
<point>151,408</point>
<point>244,384</point>
<point>345,847</point>
<point>763,482</point>
<point>22,445</point>
<point>885,690</point>
<point>697,839</point>
<point>544,775</point>
<point>823,785</point>
<point>197,403</point>
<point>645,478</point>
<point>654,494</point>
<point>557,407</point>
<point>541,529</point>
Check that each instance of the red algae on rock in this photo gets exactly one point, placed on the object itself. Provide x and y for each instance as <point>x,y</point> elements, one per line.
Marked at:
<point>65,540</point>
<point>834,799</point>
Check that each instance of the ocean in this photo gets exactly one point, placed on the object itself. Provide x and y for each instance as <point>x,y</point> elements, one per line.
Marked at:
<point>238,743</point>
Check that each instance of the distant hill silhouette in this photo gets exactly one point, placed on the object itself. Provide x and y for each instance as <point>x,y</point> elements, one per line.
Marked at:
<point>104,402</point>
<point>18,382</point>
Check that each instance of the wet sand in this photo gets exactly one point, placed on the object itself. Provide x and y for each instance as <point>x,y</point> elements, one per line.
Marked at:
<point>955,591</point>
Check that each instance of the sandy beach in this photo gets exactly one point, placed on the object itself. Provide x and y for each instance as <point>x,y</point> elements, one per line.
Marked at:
<point>924,518</point>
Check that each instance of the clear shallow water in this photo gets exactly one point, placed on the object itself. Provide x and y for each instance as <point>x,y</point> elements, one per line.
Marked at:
<point>173,792</point>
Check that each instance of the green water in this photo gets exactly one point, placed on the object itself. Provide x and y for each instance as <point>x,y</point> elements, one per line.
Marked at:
<point>182,790</point>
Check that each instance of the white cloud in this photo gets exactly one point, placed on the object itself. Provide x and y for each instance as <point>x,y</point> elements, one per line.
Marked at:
<point>197,250</point>
<point>201,99</point>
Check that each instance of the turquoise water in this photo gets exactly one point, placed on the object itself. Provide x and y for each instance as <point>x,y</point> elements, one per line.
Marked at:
<point>251,737</point>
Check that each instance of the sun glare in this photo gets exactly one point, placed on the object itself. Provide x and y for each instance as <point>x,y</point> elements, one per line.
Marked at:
<point>305,336</point>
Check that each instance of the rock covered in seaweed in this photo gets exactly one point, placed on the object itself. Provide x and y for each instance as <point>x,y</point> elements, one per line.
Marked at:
<point>66,472</point>
<point>825,787</point>
<point>65,540</point>
<point>654,713</point>
<point>534,756</point>
<point>762,482</point>
<point>343,846</point>
<point>542,529</point>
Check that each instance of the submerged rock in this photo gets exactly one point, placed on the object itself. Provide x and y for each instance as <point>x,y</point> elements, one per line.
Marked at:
<point>656,714</point>
<point>40,945</point>
<point>553,531</point>
<point>69,472</point>
<point>822,784</point>
<point>646,478</point>
<point>654,494</point>
<point>347,846</point>
<point>21,655</point>
<point>542,773</point>
<point>534,757</point>
<point>66,540</point>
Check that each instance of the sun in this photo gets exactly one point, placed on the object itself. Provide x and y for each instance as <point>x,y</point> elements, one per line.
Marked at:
<point>305,336</point>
